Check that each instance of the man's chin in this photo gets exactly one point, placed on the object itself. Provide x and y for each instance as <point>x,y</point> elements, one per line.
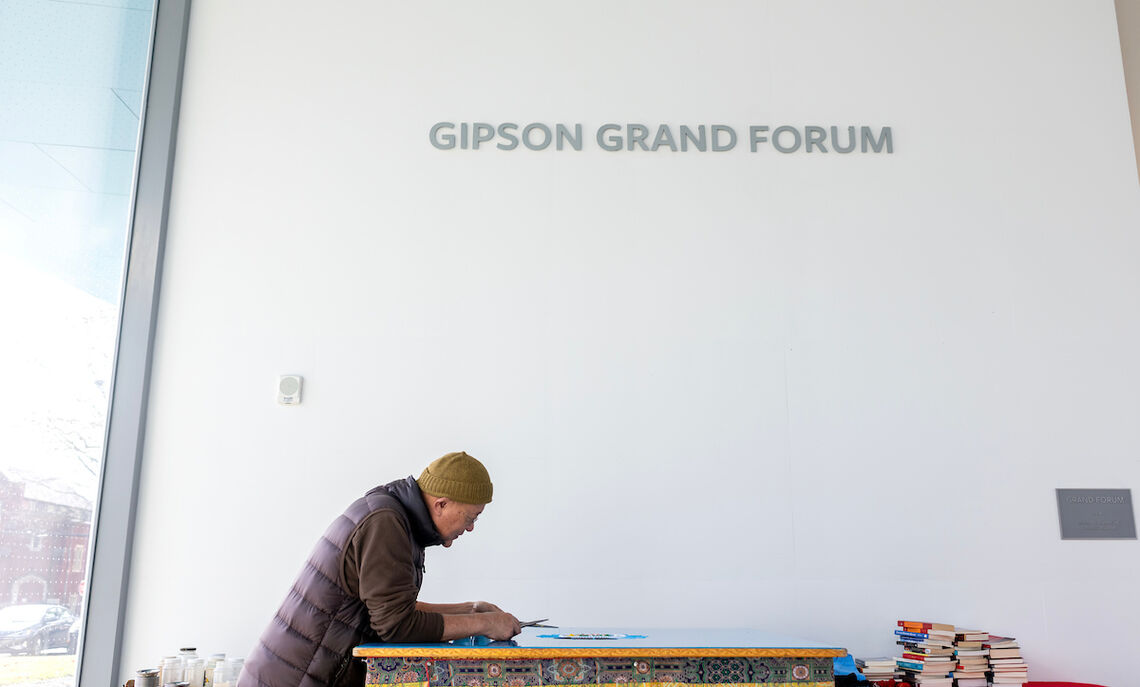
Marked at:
<point>447,543</point>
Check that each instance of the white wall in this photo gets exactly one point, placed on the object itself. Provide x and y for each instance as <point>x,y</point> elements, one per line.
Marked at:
<point>809,393</point>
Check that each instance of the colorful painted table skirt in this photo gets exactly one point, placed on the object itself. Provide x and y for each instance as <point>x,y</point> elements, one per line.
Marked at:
<point>632,671</point>
<point>553,657</point>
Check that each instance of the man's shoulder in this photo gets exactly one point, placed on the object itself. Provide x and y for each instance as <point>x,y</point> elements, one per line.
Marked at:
<point>376,499</point>
<point>385,518</point>
<point>398,494</point>
<point>384,527</point>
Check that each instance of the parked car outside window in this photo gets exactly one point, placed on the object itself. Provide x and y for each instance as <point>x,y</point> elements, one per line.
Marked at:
<point>32,628</point>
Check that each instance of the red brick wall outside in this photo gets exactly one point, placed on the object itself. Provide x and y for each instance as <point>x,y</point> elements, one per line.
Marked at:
<point>43,549</point>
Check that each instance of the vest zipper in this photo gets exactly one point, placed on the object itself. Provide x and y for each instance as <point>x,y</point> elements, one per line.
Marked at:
<point>344,663</point>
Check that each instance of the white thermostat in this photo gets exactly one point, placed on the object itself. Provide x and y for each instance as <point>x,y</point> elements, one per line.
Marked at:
<point>289,390</point>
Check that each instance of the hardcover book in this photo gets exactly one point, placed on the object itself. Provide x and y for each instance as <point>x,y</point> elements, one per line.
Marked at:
<point>923,625</point>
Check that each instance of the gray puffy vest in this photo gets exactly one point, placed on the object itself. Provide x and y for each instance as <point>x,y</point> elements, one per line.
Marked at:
<point>309,642</point>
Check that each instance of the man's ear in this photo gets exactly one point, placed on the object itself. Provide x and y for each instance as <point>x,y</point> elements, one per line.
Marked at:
<point>440,503</point>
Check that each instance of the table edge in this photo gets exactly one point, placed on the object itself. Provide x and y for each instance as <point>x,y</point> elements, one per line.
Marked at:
<point>445,653</point>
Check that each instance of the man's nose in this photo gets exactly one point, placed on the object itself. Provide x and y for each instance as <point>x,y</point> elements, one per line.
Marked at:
<point>471,527</point>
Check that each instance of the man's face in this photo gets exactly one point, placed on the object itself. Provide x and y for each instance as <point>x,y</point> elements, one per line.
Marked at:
<point>453,518</point>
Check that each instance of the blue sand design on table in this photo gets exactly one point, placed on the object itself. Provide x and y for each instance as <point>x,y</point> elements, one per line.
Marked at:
<point>593,635</point>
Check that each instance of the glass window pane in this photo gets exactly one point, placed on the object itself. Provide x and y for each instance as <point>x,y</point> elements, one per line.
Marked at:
<point>71,84</point>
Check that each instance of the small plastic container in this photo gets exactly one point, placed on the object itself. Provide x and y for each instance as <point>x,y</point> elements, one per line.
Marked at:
<point>195,671</point>
<point>233,669</point>
<point>170,670</point>
<point>146,677</point>
<point>208,675</point>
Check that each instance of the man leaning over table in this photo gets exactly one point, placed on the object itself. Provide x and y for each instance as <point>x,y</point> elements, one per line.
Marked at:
<point>361,582</point>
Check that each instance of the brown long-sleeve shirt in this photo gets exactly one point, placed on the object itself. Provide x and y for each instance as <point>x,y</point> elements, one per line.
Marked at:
<point>380,569</point>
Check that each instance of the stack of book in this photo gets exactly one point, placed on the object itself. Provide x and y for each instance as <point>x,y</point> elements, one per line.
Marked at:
<point>1006,665</point>
<point>927,653</point>
<point>971,658</point>
<point>878,669</point>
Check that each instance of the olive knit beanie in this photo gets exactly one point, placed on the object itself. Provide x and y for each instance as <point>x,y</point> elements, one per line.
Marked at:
<point>459,477</point>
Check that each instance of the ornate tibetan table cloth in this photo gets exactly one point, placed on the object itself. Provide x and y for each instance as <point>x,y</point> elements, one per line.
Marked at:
<point>565,657</point>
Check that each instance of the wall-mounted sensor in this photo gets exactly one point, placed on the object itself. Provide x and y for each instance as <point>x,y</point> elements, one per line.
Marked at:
<point>289,390</point>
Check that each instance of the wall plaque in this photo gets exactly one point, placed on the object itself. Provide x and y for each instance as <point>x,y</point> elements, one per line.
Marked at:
<point>1096,514</point>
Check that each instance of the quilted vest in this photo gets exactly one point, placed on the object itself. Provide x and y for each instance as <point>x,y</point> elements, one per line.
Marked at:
<point>309,642</point>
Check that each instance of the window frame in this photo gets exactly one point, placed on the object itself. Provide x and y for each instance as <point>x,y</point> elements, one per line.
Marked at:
<point>109,563</point>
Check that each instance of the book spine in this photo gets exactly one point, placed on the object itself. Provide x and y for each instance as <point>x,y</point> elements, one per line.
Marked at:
<point>917,626</point>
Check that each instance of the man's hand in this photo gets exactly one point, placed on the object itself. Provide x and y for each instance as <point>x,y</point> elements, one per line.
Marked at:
<point>501,625</point>
<point>494,624</point>
<point>484,607</point>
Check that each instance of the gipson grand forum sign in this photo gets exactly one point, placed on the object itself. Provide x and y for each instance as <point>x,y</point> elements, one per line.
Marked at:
<point>700,138</point>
